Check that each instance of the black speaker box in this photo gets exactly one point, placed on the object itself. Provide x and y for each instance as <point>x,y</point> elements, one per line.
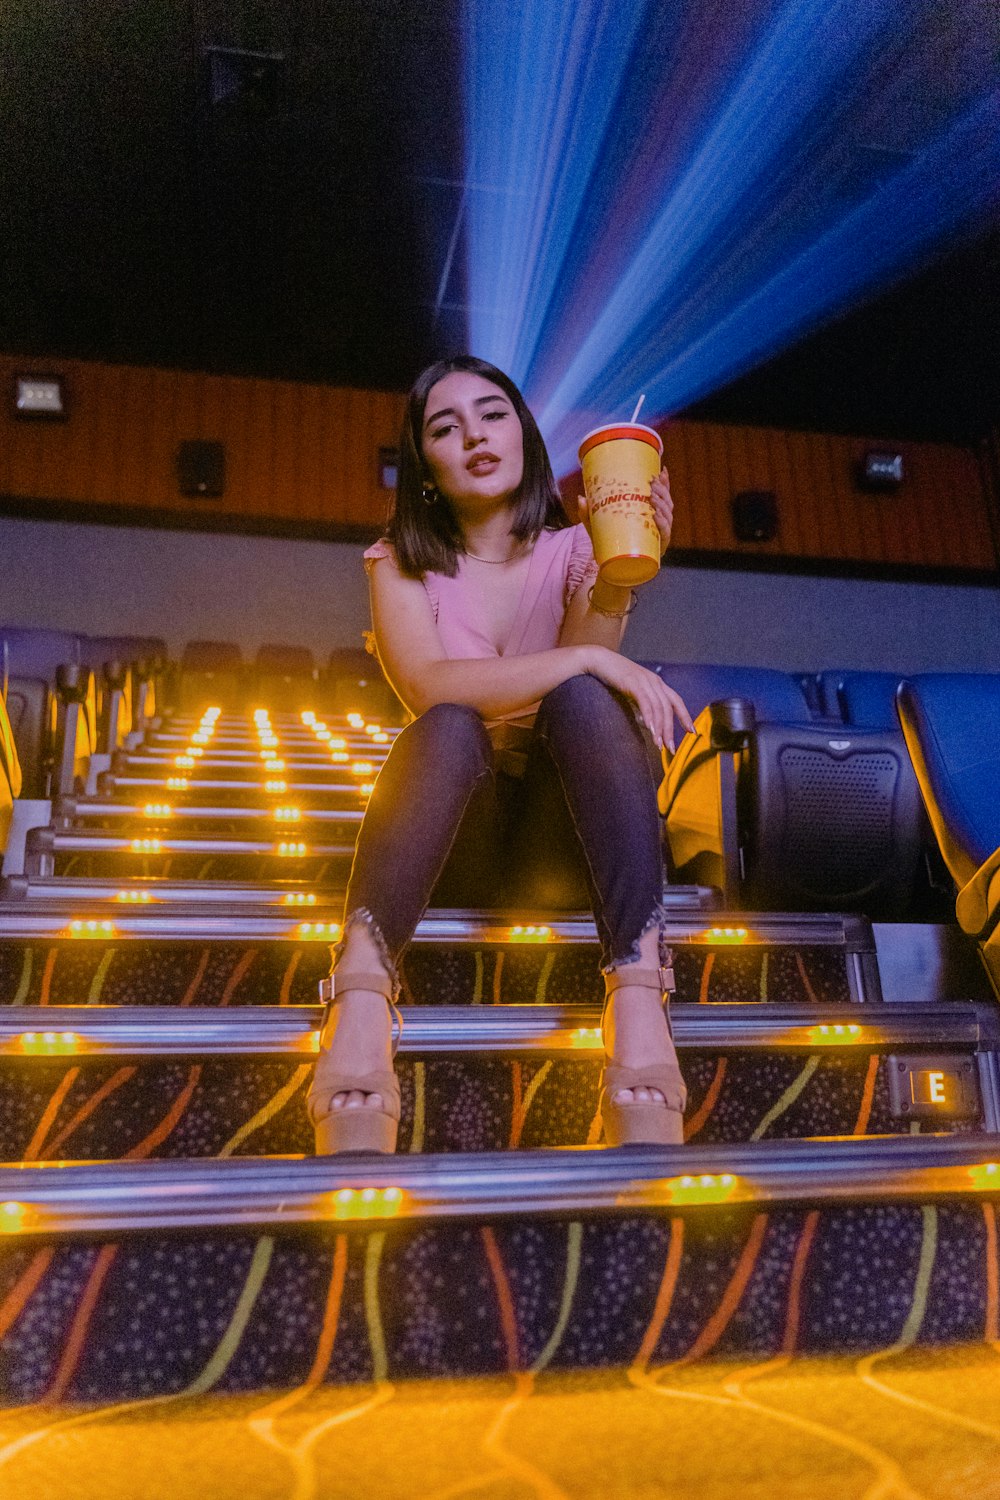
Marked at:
<point>755,516</point>
<point>201,469</point>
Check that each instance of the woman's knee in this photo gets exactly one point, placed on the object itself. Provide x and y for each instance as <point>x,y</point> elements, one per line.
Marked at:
<point>584,700</point>
<point>454,734</point>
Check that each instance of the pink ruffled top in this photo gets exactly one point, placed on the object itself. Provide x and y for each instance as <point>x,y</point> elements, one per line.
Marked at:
<point>561,563</point>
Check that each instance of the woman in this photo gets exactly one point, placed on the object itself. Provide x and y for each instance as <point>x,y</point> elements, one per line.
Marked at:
<point>526,768</point>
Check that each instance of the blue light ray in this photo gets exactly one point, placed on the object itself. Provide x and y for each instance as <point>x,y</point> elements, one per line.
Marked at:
<point>531,150</point>
<point>938,192</point>
<point>668,248</point>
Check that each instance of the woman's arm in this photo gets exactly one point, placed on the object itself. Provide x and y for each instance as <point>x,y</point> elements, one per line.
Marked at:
<point>596,617</point>
<point>410,650</point>
<point>599,618</point>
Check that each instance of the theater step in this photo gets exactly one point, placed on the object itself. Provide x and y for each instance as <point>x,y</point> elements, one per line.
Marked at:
<point>77,815</point>
<point>52,852</point>
<point>106,1083</point>
<point>190,791</point>
<point>146,1279</point>
<point>27,888</point>
<point>157,770</point>
<point>207,954</point>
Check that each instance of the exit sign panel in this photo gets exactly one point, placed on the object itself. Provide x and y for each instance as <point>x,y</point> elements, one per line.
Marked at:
<point>923,1088</point>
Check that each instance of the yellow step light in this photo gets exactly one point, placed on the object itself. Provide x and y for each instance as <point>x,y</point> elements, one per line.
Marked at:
<point>299,898</point>
<point>362,768</point>
<point>135,897</point>
<point>14,1217</point>
<point>320,932</point>
<point>91,928</point>
<point>834,1036</point>
<point>290,851</point>
<point>49,1043</point>
<point>146,846</point>
<point>367,1203</point>
<point>276,786</point>
<point>587,1037</point>
<point>288,814</point>
<point>530,935</point>
<point>158,810</point>
<point>355,721</point>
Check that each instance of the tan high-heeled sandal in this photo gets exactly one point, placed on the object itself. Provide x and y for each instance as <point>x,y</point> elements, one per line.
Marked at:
<point>363,1128</point>
<point>643,1121</point>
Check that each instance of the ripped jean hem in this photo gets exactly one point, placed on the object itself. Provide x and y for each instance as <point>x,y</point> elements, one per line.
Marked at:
<point>634,955</point>
<point>362,917</point>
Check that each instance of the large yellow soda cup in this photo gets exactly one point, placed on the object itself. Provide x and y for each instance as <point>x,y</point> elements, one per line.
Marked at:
<point>619,463</point>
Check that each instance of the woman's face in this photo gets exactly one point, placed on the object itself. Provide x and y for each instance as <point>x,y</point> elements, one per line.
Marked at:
<point>472,441</point>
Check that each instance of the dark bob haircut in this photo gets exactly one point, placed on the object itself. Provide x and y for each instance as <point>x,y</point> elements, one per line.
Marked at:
<point>426,537</point>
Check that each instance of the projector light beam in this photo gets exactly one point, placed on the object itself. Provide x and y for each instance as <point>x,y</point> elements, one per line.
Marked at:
<point>659,197</point>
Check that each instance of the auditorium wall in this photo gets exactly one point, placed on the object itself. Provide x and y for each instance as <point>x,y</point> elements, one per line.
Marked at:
<point>304,460</point>
<point>105,580</point>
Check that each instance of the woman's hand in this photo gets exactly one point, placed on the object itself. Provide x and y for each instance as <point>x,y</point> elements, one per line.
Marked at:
<point>656,704</point>
<point>662,503</point>
<point>663,507</point>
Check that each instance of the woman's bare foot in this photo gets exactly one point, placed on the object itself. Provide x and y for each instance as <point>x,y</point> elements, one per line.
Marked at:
<point>636,1033</point>
<point>358,1032</point>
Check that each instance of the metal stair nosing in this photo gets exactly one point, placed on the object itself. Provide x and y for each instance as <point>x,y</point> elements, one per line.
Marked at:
<point>71,1200</point>
<point>49,918</point>
<point>92,1031</point>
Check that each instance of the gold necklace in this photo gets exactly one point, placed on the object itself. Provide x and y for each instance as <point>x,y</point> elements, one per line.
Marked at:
<point>495,562</point>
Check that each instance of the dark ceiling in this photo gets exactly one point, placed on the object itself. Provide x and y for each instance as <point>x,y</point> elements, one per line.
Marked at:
<point>270,188</point>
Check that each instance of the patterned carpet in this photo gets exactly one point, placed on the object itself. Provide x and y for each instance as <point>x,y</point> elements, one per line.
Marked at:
<point>883,1427</point>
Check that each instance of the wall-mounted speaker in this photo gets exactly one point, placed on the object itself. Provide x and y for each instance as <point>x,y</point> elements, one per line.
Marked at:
<point>201,469</point>
<point>755,516</point>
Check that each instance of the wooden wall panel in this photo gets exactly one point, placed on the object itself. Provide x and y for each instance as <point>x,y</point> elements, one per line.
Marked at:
<point>306,456</point>
<point>295,453</point>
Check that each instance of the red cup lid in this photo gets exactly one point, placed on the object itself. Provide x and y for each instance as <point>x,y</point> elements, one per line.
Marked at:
<point>613,430</point>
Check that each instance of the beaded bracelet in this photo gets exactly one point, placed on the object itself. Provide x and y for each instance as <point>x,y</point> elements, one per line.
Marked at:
<point>612,614</point>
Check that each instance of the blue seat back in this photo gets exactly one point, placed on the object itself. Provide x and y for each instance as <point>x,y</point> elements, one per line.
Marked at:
<point>37,653</point>
<point>865,700</point>
<point>952,726</point>
<point>776,696</point>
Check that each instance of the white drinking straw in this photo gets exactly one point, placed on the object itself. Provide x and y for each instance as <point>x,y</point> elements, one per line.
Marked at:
<point>638,407</point>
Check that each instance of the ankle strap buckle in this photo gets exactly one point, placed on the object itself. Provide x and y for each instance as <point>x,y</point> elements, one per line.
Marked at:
<point>328,994</point>
<point>668,983</point>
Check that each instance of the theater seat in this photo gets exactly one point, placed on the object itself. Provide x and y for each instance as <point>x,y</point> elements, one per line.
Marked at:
<point>285,678</point>
<point>776,695</point>
<point>353,682</point>
<point>783,810</point>
<point>952,727</point>
<point>10,774</point>
<point>52,707</point>
<point>211,672</point>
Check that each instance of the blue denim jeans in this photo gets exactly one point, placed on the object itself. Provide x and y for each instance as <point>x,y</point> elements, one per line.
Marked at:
<point>445,827</point>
